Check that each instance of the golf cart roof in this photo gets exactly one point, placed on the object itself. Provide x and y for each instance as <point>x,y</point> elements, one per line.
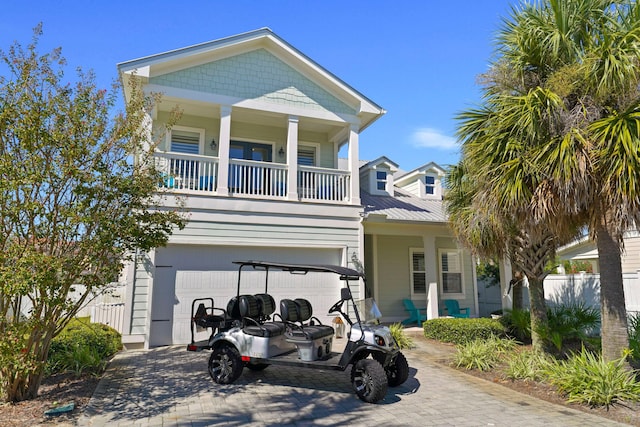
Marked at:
<point>344,272</point>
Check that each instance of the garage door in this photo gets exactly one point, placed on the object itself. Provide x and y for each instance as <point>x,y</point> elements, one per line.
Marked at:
<point>185,272</point>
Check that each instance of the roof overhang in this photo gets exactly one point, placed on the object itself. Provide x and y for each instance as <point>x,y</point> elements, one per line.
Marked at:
<point>178,59</point>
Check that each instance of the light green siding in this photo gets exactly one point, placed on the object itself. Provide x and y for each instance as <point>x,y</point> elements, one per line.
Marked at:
<point>210,125</point>
<point>256,75</point>
<point>141,296</point>
<point>394,282</point>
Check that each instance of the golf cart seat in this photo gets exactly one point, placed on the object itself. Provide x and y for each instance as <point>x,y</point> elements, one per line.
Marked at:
<point>295,313</point>
<point>205,318</point>
<point>250,314</point>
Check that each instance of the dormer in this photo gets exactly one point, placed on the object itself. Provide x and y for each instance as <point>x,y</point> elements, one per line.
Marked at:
<point>376,177</point>
<point>424,182</point>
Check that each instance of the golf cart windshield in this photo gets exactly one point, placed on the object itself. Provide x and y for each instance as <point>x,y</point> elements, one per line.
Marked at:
<point>368,310</point>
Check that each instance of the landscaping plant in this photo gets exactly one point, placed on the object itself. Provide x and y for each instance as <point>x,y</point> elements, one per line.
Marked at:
<point>82,347</point>
<point>483,354</point>
<point>78,187</point>
<point>587,378</point>
<point>527,365</point>
<point>460,331</point>
<point>400,336</point>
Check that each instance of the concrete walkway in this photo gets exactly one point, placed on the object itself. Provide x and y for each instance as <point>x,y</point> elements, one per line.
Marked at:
<point>171,387</point>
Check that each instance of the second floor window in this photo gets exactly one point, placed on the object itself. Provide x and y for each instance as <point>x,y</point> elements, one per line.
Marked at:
<point>430,185</point>
<point>381,180</point>
<point>185,142</point>
<point>306,156</point>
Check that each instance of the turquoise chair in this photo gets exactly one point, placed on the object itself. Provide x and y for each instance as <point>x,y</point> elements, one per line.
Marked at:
<point>454,310</point>
<point>414,313</point>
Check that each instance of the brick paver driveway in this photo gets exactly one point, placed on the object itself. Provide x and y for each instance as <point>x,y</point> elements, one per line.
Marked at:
<point>171,387</point>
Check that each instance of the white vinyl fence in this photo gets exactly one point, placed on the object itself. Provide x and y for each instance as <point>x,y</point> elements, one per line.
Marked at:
<point>583,287</point>
<point>106,308</point>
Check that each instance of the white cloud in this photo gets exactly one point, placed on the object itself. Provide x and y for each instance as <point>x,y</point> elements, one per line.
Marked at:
<point>433,138</point>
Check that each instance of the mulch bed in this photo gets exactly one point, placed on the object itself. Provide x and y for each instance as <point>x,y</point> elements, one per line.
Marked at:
<point>55,391</point>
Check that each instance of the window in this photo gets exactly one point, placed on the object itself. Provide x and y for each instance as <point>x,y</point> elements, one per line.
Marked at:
<point>306,156</point>
<point>430,184</point>
<point>418,273</point>
<point>451,270</point>
<point>185,142</point>
<point>381,180</point>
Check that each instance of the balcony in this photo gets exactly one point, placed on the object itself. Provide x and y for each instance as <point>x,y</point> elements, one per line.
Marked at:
<point>196,174</point>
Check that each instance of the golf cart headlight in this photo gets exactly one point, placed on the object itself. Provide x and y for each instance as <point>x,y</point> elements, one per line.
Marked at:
<point>380,341</point>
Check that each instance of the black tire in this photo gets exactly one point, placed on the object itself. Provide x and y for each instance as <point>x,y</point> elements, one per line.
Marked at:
<point>369,380</point>
<point>257,366</point>
<point>397,371</point>
<point>225,364</point>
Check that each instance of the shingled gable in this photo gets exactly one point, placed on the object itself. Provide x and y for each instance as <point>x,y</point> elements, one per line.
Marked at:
<point>162,72</point>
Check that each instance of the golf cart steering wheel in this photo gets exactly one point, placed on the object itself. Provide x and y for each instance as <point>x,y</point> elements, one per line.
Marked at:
<point>337,307</point>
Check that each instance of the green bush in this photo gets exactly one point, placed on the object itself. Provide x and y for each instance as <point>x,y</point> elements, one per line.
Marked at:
<point>587,378</point>
<point>518,323</point>
<point>83,347</point>
<point>527,365</point>
<point>460,331</point>
<point>483,354</point>
<point>570,323</point>
<point>400,336</point>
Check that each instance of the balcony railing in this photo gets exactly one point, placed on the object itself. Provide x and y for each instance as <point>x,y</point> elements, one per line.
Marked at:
<point>252,178</point>
<point>198,174</point>
<point>188,171</point>
<point>323,184</point>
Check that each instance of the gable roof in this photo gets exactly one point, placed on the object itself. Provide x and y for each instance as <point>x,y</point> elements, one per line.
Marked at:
<point>419,171</point>
<point>402,207</point>
<point>263,38</point>
<point>383,160</point>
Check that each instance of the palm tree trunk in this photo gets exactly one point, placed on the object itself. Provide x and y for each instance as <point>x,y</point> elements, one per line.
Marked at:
<point>538,313</point>
<point>615,337</point>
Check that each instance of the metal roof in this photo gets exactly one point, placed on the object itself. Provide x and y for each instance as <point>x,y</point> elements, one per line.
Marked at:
<point>404,206</point>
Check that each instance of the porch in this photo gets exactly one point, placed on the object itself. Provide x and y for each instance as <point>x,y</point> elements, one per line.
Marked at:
<point>201,174</point>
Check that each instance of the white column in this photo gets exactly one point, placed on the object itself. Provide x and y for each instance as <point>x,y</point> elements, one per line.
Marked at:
<point>292,158</point>
<point>431,267</point>
<point>354,165</point>
<point>223,150</point>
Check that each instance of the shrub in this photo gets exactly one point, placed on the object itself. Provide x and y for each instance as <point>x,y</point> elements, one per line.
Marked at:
<point>570,322</point>
<point>400,336</point>
<point>518,323</point>
<point>460,331</point>
<point>587,378</point>
<point>527,365</point>
<point>483,354</point>
<point>81,347</point>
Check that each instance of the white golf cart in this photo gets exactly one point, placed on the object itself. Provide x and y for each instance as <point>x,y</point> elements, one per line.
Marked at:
<point>249,333</point>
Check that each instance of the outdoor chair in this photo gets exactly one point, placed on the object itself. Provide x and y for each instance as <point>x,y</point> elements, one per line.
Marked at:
<point>414,313</point>
<point>454,310</point>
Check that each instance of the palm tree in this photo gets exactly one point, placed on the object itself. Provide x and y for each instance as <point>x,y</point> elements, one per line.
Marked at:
<point>557,137</point>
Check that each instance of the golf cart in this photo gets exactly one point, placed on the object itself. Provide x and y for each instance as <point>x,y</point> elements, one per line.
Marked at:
<point>249,333</point>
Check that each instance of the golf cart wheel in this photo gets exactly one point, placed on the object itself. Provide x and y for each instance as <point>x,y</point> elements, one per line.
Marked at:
<point>369,380</point>
<point>257,366</point>
<point>397,371</point>
<point>225,364</point>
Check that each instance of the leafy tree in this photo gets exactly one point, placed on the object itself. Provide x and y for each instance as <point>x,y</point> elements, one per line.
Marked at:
<point>561,114</point>
<point>75,204</point>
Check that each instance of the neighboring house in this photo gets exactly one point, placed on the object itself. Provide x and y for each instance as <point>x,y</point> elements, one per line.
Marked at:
<point>586,250</point>
<point>254,158</point>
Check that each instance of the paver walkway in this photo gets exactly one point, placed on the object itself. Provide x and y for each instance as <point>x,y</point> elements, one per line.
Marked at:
<point>171,387</point>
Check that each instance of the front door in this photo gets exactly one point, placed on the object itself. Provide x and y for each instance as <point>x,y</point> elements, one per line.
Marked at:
<point>162,302</point>
<point>249,179</point>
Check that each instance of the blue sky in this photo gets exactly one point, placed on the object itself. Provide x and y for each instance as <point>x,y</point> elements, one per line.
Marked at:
<point>419,60</point>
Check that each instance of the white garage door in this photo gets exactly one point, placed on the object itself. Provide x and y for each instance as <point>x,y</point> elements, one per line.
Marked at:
<point>185,272</point>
